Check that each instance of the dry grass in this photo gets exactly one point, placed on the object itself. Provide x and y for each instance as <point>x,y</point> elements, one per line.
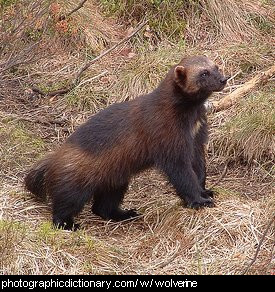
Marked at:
<point>23,25</point>
<point>146,69</point>
<point>98,31</point>
<point>15,138</point>
<point>142,73</point>
<point>49,56</point>
<point>167,238</point>
<point>202,20</point>
<point>249,132</point>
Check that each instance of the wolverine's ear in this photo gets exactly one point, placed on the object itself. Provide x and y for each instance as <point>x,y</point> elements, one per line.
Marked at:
<point>180,73</point>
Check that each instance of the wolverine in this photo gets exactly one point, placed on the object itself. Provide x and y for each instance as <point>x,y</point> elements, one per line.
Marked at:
<point>165,129</point>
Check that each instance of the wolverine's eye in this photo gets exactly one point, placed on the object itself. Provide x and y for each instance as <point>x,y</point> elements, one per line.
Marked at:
<point>205,73</point>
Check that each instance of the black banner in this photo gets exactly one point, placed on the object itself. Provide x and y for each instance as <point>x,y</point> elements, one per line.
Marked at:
<point>122,281</point>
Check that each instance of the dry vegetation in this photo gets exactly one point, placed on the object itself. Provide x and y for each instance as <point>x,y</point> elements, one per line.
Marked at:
<point>42,49</point>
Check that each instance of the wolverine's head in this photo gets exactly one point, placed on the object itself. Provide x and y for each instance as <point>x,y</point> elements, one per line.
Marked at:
<point>198,74</point>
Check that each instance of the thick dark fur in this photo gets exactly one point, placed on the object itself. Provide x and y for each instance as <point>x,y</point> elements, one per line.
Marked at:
<point>166,129</point>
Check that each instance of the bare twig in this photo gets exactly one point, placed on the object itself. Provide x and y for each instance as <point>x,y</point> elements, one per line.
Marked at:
<point>124,40</point>
<point>43,121</point>
<point>80,5</point>
<point>92,78</point>
<point>259,245</point>
<point>60,91</point>
<point>236,74</point>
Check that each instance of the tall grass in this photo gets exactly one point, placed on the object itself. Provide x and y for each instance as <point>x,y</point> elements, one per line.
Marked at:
<point>142,74</point>
<point>249,134</point>
<point>194,19</point>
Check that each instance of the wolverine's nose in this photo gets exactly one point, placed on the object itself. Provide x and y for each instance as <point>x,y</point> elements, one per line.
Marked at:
<point>223,80</point>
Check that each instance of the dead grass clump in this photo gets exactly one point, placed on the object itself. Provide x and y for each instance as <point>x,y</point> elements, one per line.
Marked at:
<point>23,24</point>
<point>35,247</point>
<point>244,59</point>
<point>249,133</point>
<point>142,74</point>
<point>98,32</point>
<point>196,20</point>
<point>165,17</point>
<point>231,18</point>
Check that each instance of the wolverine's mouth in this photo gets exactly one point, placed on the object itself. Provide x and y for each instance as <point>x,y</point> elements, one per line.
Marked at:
<point>223,82</point>
<point>220,88</point>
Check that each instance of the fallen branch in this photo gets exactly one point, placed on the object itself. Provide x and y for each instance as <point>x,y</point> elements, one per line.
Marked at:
<point>76,80</point>
<point>43,121</point>
<point>239,93</point>
<point>80,5</point>
<point>60,91</point>
<point>259,245</point>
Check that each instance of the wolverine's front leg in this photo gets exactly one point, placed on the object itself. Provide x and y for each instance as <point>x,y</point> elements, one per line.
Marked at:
<point>199,167</point>
<point>182,176</point>
<point>198,159</point>
<point>198,164</point>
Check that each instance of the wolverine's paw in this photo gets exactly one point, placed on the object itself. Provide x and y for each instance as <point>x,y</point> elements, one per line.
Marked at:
<point>207,193</point>
<point>202,202</point>
<point>74,227</point>
<point>65,225</point>
<point>120,215</point>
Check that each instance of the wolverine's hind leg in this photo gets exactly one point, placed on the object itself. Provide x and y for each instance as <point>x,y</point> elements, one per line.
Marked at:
<point>67,202</point>
<point>107,201</point>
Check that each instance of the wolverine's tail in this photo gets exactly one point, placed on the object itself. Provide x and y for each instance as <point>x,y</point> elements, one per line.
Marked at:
<point>35,179</point>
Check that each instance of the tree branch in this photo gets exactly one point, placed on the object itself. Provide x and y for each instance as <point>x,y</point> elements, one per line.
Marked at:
<point>124,40</point>
<point>60,91</point>
<point>80,5</point>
